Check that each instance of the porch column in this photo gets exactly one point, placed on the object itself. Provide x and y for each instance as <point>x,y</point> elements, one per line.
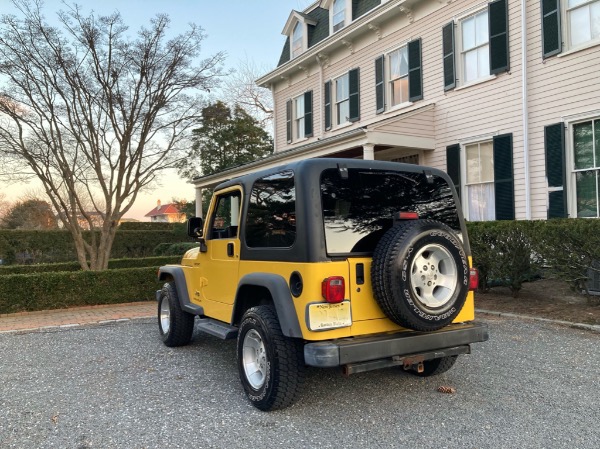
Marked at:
<point>369,152</point>
<point>198,201</point>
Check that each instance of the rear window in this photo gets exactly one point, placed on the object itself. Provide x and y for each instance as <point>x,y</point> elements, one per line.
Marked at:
<point>359,209</point>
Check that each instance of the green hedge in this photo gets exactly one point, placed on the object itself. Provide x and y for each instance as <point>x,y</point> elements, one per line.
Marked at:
<point>145,226</point>
<point>174,249</point>
<point>43,291</point>
<point>74,266</point>
<point>511,252</point>
<point>33,246</point>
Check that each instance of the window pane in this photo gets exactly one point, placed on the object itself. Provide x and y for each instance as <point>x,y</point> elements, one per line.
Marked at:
<point>399,91</point>
<point>583,145</point>
<point>483,61</point>
<point>343,112</point>
<point>597,146</point>
<point>587,205</point>
<point>468,33</point>
<point>473,171</point>
<point>573,3</point>
<point>394,64</point>
<point>579,22</point>
<point>481,28</point>
<point>481,202</point>
<point>486,150</point>
<point>271,217</point>
<point>595,7</point>
<point>404,61</point>
<point>358,210</point>
<point>300,107</point>
<point>342,88</point>
<point>471,66</point>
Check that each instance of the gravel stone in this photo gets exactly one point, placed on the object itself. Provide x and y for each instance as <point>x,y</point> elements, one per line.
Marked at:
<point>533,384</point>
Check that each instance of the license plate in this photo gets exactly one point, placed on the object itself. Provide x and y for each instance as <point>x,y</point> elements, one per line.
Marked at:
<point>325,316</point>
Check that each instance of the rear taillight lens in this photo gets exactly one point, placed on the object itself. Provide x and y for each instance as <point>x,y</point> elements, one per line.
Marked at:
<point>333,289</point>
<point>473,279</point>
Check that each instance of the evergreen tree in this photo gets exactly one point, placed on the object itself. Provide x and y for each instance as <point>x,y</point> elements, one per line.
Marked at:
<point>225,139</point>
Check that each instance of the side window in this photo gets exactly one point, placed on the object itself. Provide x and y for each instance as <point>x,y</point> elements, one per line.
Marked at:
<point>225,218</point>
<point>271,218</point>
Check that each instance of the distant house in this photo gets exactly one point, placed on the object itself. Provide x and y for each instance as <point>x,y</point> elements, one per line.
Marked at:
<point>168,213</point>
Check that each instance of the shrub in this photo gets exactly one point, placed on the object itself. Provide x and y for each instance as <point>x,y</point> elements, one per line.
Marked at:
<point>505,253</point>
<point>145,226</point>
<point>571,249</point>
<point>74,266</point>
<point>43,291</point>
<point>174,249</point>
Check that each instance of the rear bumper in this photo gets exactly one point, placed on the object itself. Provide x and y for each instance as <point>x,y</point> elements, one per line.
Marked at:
<point>346,351</point>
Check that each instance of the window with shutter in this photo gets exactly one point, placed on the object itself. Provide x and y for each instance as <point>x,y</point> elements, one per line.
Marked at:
<point>504,184</point>
<point>379,85</point>
<point>554,143</point>
<point>415,71</point>
<point>354,95</point>
<point>586,167</point>
<point>308,115</point>
<point>448,56</point>
<point>498,28</point>
<point>551,33</point>
<point>327,111</point>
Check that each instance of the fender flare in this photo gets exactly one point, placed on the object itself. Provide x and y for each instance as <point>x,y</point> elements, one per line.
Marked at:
<point>178,276</point>
<point>282,299</point>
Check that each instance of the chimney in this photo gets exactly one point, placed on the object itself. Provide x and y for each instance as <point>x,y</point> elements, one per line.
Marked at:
<point>158,205</point>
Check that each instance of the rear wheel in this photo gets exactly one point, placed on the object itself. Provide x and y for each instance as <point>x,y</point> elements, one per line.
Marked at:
<point>271,366</point>
<point>174,324</point>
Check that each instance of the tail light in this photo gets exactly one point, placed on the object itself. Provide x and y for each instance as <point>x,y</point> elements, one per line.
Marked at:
<point>333,289</point>
<point>473,279</point>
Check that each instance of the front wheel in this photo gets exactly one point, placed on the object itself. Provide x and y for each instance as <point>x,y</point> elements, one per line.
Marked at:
<point>271,366</point>
<point>174,324</point>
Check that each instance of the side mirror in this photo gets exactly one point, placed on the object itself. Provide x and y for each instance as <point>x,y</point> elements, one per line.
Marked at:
<point>194,227</point>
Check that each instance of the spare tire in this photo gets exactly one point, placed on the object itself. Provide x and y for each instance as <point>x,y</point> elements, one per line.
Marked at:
<point>420,275</point>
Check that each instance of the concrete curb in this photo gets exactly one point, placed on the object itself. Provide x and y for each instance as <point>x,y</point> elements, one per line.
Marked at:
<point>59,327</point>
<point>582,326</point>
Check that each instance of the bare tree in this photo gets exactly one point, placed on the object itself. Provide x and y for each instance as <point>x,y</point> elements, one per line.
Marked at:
<point>96,114</point>
<point>240,88</point>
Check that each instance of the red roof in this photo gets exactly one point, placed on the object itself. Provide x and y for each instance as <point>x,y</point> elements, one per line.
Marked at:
<point>165,209</point>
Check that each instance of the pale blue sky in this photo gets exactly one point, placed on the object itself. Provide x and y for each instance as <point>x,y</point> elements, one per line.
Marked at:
<point>244,29</point>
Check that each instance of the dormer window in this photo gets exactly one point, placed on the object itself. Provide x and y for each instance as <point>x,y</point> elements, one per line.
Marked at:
<point>297,30</point>
<point>297,37</point>
<point>339,15</point>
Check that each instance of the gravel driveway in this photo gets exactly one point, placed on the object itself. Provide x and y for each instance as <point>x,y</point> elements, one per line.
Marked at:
<point>532,385</point>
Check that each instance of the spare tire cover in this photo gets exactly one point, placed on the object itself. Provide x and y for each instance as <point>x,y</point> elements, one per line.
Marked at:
<point>420,275</point>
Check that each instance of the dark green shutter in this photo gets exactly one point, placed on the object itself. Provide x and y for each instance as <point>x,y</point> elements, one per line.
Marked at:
<point>327,89</point>
<point>498,26</point>
<point>415,72</point>
<point>453,165</point>
<point>554,143</point>
<point>288,120</point>
<point>448,54</point>
<point>308,115</point>
<point>551,33</point>
<point>504,184</point>
<point>380,85</point>
<point>354,99</point>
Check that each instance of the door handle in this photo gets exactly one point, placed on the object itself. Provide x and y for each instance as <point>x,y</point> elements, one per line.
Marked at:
<point>230,249</point>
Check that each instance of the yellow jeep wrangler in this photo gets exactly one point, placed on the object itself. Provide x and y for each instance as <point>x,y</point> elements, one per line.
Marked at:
<point>328,263</point>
